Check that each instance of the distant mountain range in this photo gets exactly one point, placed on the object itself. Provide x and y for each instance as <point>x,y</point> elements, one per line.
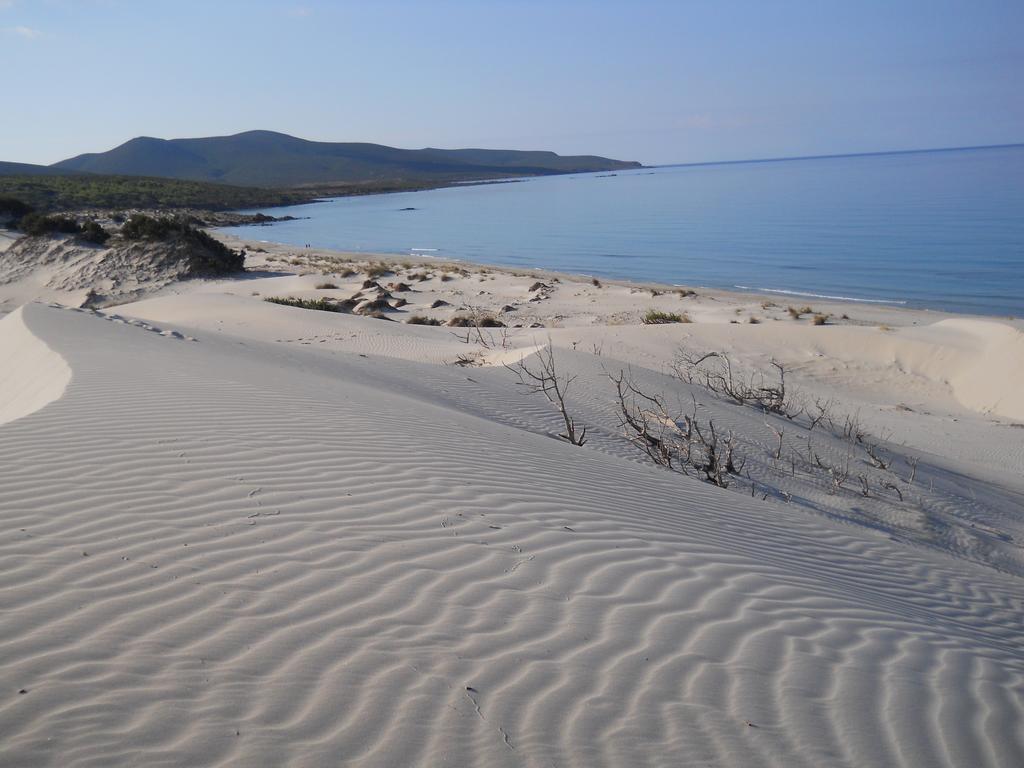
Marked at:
<point>268,159</point>
<point>27,169</point>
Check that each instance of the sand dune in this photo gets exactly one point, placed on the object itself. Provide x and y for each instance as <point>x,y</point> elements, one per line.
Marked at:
<point>991,381</point>
<point>32,375</point>
<point>237,551</point>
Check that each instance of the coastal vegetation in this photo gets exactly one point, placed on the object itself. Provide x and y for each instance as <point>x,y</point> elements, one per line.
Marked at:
<point>421,320</point>
<point>12,208</point>
<point>656,317</point>
<point>81,191</point>
<point>320,304</point>
<point>37,225</point>
<point>212,254</point>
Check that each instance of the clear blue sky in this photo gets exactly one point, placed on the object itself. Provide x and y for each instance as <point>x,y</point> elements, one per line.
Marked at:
<point>652,81</point>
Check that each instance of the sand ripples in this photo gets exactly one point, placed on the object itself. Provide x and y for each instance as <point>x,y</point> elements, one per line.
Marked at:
<point>209,559</point>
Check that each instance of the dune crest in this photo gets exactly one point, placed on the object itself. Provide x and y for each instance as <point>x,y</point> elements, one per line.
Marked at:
<point>991,382</point>
<point>32,375</point>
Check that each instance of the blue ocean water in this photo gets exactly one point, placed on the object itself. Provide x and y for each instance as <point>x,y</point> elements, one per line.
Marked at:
<point>938,229</point>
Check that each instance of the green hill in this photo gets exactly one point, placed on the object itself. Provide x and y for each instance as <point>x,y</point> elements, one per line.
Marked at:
<point>268,159</point>
<point>27,169</point>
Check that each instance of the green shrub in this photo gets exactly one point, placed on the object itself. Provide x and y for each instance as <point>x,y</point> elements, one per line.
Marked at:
<point>654,317</point>
<point>209,254</point>
<point>13,208</point>
<point>143,227</point>
<point>37,224</point>
<point>374,271</point>
<point>321,304</point>
<point>93,233</point>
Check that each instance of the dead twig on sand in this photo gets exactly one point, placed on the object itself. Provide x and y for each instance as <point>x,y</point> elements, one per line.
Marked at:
<point>678,442</point>
<point>545,379</point>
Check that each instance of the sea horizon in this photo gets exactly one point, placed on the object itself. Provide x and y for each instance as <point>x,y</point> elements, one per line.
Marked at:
<point>938,229</point>
<point>831,155</point>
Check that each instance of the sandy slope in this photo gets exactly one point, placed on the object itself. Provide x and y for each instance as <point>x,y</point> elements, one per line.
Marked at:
<point>245,551</point>
<point>33,375</point>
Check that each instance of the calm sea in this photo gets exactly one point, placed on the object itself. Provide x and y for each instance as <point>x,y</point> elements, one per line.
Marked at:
<point>938,229</point>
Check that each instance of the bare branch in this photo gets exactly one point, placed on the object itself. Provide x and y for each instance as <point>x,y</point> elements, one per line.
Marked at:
<point>778,434</point>
<point>715,371</point>
<point>546,380</point>
<point>680,443</point>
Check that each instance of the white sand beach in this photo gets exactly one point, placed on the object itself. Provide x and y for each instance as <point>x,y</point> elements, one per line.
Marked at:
<point>244,534</point>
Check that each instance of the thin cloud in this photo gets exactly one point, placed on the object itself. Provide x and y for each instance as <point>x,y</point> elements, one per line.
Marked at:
<point>26,33</point>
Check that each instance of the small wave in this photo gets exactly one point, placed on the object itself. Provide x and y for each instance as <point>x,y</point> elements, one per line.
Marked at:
<point>818,295</point>
<point>425,250</point>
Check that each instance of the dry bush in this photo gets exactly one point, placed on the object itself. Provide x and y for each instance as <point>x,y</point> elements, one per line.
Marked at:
<point>681,440</point>
<point>544,378</point>
<point>471,321</point>
<point>656,317</point>
<point>326,287</point>
<point>820,319</point>
<point>714,371</point>
<point>323,305</point>
<point>374,308</point>
<point>378,270</point>
<point>838,473</point>
<point>475,323</point>
<point>676,441</point>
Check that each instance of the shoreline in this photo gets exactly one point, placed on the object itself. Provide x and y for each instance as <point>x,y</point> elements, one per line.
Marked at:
<point>873,311</point>
<point>777,294</point>
<point>708,303</point>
